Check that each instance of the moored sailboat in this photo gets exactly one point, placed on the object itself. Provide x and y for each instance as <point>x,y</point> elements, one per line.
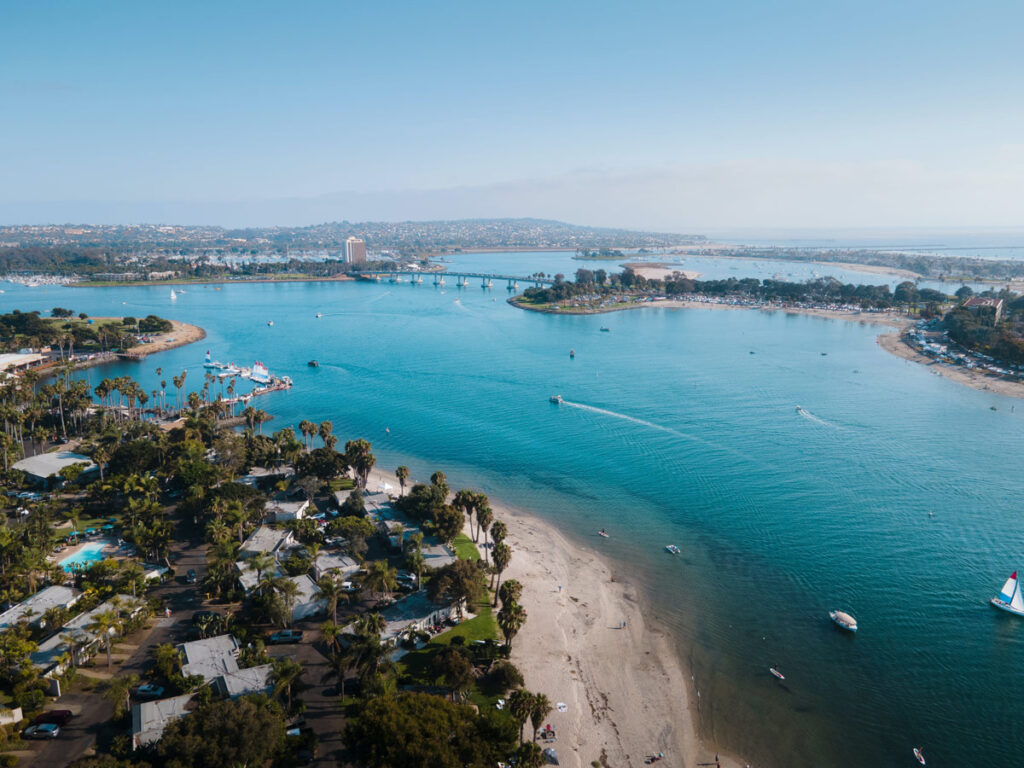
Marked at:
<point>1009,597</point>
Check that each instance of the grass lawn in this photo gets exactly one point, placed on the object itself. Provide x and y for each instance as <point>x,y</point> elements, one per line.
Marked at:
<point>483,626</point>
<point>465,549</point>
<point>342,484</point>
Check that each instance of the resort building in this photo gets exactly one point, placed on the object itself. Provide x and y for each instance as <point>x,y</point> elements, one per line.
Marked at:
<point>416,613</point>
<point>34,608</point>
<point>45,468</point>
<point>267,541</point>
<point>150,718</point>
<point>334,562</point>
<point>985,308</point>
<point>16,362</point>
<point>355,251</point>
<point>280,511</point>
<point>215,659</point>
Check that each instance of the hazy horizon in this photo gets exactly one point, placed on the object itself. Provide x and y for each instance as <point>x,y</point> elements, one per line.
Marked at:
<point>659,116</point>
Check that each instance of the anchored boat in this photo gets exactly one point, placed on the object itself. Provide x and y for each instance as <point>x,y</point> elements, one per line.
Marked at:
<point>1009,597</point>
<point>844,620</point>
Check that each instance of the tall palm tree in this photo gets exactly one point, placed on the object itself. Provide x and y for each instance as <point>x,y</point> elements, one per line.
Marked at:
<point>308,429</point>
<point>402,473</point>
<point>287,590</point>
<point>520,702</point>
<point>117,690</point>
<point>381,578</point>
<point>332,592</point>
<point>540,709</point>
<point>261,563</point>
<point>325,430</point>
<point>511,618</point>
<point>465,500</point>
<point>286,674</point>
<point>502,557</point>
<point>105,624</point>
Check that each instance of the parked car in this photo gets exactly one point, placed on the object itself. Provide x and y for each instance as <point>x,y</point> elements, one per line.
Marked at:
<point>58,716</point>
<point>285,636</point>
<point>149,691</point>
<point>41,731</point>
<point>191,577</point>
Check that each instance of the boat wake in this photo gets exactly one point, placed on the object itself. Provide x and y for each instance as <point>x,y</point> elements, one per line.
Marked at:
<point>378,298</point>
<point>817,420</point>
<point>633,419</point>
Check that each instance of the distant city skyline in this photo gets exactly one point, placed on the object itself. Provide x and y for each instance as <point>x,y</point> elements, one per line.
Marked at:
<point>659,116</point>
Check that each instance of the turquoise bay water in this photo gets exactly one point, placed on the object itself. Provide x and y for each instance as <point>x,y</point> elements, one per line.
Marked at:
<point>675,433</point>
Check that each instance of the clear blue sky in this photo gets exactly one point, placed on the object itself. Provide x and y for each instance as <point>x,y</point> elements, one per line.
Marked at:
<point>676,114</point>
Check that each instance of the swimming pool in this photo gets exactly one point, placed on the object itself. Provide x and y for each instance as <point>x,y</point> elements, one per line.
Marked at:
<point>83,558</point>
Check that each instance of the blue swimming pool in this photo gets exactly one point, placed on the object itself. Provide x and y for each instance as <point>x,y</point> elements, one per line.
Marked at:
<point>83,558</point>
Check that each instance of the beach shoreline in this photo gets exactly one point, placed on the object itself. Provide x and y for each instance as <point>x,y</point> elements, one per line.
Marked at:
<point>179,336</point>
<point>211,281</point>
<point>590,643</point>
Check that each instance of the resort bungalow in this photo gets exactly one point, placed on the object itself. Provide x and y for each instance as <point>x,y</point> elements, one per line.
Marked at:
<point>280,511</point>
<point>215,659</point>
<point>150,718</point>
<point>34,608</point>
<point>985,308</point>
<point>335,562</point>
<point>416,613</point>
<point>267,541</point>
<point>249,578</point>
<point>44,469</point>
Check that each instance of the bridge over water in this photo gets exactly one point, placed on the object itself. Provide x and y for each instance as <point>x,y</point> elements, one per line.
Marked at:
<point>463,279</point>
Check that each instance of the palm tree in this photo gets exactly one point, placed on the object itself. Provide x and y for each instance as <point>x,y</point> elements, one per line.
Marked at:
<point>105,624</point>
<point>510,591</point>
<point>402,473</point>
<point>466,501</point>
<point>288,590</point>
<point>332,592</point>
<point>484,518</point>
<point>520,702</point>
<point>502,556</point>
<point>325,430</point>
<point>511,618</point>
<point>359,457</point>
<point>286,673</point>
<point>540,709</point>
<point>308,429</point>
<point>70,639</point>
<point>381,578</point>
<point>330,632</point>
<point>118,690</point>
<point>261,563</point>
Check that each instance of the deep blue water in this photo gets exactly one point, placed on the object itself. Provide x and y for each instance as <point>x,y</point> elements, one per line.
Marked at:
<point>675,433</point>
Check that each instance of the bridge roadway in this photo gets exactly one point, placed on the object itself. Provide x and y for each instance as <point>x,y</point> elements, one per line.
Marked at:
<point>486,278</point>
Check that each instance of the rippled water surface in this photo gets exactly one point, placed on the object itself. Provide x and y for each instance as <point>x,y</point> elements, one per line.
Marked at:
<point>895,495</point>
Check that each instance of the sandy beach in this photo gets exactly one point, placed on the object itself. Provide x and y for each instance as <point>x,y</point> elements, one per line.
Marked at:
<point>627,695</point>
<point>659,271</point>
<point>180,335</point>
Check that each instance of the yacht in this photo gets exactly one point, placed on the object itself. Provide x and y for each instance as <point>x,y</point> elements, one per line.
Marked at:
<point>672,549</point>
<point>844,620</point>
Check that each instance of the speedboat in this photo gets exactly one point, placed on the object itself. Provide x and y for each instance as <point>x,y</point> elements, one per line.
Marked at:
<point>313,364</point>
<point>556,399</point>
<point>799,409</point>
<point>319,314</point>
<point>844,620</point>
<point>919,755</point>
<point>270,322</point>
<point>776,673</point>
<point>572,353</point>
<point>1009,598</point>
<point>672,549</point>
<point>605,330</point>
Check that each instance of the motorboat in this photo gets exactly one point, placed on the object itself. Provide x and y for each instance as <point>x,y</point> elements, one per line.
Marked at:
<point>270,322</point>
<point>605,330</point>
<point>919,755</point>
<point>672,549</point>
<point>313,364</point>
<point>556,399</point>
<point>572,353</point>
<point>799,409</point>
<point>1009,598</point>
<point>319,314</point>
<point>776,673</point>
<point>844,620</point>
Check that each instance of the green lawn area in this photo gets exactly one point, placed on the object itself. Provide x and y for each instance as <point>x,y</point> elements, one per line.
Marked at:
<point>465,549</point>
<point>483,626</point>
<point>342,484</point>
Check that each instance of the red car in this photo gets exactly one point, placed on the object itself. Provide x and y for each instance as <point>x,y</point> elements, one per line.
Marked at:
<point>55,716</point>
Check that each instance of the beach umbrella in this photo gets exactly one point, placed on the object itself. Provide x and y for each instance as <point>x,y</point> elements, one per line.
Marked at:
<point>551,756</point>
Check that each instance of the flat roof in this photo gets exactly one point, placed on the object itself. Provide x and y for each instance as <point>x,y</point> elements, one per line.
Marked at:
<point>56,596</point>
<point>150,718</point>
<point>210,658</point>
<point>49,464</point>
<point>266,539</point>
<point>16,359</point>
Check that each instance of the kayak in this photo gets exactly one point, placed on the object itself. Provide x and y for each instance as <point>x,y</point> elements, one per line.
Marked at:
<point>919,755</point>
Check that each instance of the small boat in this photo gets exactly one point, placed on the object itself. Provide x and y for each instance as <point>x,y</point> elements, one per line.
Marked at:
<point>173,295</point>
<point>319,314</point>
<point>602,533</point>
<point>775,671</point>
<point>1009,597</point>
<point>799,409</point>
<point>844,620</point>
<point>556,399</point>
<point>270,322</point>
<point>313,364</point>
<point>672,549</point>
<point>605,330</point>
<point>919,755</point>
<point>572,353</point>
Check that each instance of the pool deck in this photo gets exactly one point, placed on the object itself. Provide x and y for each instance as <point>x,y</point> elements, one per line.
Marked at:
<point>109,548</point>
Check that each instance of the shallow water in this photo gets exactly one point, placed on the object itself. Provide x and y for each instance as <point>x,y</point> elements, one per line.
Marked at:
<point>675,433</point>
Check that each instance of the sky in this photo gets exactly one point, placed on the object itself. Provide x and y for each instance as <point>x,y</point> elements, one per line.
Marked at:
<point>678,116</point>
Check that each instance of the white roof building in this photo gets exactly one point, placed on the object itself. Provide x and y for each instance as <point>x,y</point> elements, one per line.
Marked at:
<point>334,561</point>
<point>150,718</point>
<point>267,540</point>
<point>215,659</point>
<point>33,608</point>
<point>46,465</point>
<point>307,602</point>
<point>279,511</point>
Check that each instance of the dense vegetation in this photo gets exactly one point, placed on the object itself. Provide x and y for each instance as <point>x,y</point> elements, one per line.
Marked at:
<point>29,329</point>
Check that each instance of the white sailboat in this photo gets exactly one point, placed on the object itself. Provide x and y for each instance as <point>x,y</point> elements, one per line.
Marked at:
<point>173,295</point>
<point>1010,597</point>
